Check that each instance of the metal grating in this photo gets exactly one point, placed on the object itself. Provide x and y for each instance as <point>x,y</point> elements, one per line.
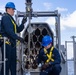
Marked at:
<point>41,29</point>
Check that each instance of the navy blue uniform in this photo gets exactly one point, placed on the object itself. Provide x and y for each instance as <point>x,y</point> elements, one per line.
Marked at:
<point>54,66</point>
<point>8,30</point>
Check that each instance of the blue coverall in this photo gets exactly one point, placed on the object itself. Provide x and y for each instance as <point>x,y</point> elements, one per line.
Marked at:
<point>8,30</point>
<point>54,66</point>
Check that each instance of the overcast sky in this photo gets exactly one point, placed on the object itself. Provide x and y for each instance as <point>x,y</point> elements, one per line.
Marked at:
<point>67,9</point>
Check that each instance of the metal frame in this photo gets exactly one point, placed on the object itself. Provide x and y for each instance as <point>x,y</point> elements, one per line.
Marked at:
<point>29,14</point>
<point>4,62</point>
<point>66,55</point>
<point>74,49</point>
<point>45,14</point>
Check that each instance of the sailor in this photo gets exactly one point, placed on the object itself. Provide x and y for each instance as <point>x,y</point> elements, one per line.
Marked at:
<point>9,29</point>
<point>49,58</point>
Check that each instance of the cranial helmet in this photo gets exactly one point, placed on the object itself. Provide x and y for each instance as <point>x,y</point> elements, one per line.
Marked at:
<point>10,5</point>
<point>46,40</point>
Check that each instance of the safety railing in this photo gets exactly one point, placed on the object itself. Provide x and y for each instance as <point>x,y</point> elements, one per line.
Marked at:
<point>4,61</point>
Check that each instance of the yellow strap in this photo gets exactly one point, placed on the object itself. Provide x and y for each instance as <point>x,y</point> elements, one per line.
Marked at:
<point>49,55</point>
<point>0,36</point>
<point>7,42</point>
<point>14,30</point>
<point>18,42</point>
<point>14,25</point>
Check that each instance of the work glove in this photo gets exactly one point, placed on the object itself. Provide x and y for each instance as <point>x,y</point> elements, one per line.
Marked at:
<point>24,20</point>
<point>44,66</point>
<point>21,40</point>
<point>47,64</point>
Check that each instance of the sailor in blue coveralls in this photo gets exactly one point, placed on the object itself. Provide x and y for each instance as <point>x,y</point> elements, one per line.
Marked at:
<point>49,58</point>
<point>9,29</point>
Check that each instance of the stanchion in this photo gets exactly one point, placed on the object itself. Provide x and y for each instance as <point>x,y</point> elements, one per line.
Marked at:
<point>4,56</point>
<point>4,61</point>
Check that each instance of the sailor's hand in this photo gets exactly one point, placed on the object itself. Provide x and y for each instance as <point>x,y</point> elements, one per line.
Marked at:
<point>47,64</point>
<point>21,40</point>
<point>24,20</point>
<point>44,66</point>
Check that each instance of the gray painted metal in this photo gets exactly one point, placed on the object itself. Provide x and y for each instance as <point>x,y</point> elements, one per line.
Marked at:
<point>4,62</point>
<point>64,61</point>
<point>38,14</point>
<point>44,14</point>
<point>74,49</point>
<point>58,38</point>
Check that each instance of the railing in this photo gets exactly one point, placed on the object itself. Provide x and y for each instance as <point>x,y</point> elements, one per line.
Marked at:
<point>4,61</point>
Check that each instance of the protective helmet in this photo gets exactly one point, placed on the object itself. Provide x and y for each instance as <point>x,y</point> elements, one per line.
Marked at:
<point>46,40</point>
<point>10,5</point>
